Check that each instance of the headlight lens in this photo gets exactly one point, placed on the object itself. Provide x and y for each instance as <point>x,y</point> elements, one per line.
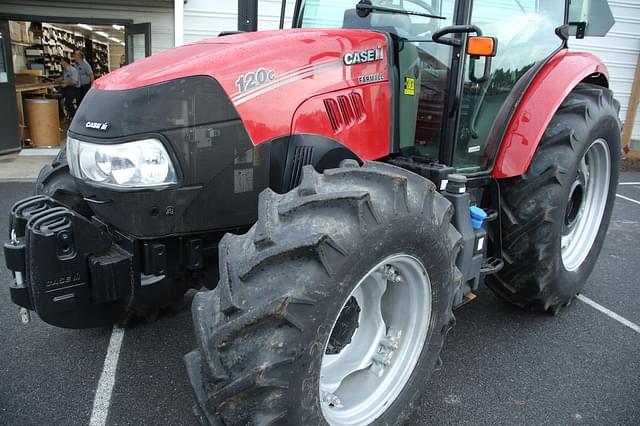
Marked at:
<point>139,164</point>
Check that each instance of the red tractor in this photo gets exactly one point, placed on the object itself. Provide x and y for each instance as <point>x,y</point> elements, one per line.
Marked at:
<point>339,188</point>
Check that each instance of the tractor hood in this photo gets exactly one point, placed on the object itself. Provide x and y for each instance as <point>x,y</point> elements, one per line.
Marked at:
<point>276,68</point>
<point>220,108</point>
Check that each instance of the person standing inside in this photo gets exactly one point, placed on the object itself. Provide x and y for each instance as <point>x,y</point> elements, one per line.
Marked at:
<point>85,72</point>
<point>70,87</point>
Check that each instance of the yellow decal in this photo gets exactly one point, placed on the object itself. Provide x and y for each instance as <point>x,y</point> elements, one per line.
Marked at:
<point>409,86</point>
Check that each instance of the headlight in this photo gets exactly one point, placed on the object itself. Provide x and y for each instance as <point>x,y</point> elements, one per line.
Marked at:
<point>139,164</point>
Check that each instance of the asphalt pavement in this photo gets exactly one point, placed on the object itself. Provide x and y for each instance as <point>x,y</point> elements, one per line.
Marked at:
<point>501,365</point>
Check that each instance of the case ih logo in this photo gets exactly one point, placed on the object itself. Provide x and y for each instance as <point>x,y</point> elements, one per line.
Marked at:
<point>363,56</point>
<point>97,126</point>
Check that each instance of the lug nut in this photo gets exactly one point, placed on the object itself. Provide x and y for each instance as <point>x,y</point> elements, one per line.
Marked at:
<point>392,274</point>
<point>382,358</point>
<point>389,343</point>
<point>25,316</point>
<point>331,399</point>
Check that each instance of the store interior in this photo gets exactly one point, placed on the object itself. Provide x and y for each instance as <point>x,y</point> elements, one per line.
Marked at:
<point>37,49</point>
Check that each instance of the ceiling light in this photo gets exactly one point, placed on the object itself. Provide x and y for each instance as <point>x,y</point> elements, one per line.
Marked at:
<point>117,40</point>
<point>102,33</point>
<point>118,27</point>
<point>86,27</point>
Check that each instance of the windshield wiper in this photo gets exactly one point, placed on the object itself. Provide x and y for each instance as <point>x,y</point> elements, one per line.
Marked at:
<point>364,8</point>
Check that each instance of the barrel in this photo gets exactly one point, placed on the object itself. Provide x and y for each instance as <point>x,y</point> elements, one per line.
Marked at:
<point>43,121</point>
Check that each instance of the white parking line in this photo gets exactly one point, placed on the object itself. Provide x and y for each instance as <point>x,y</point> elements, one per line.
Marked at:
<point>628,183</point>
<point>628,199</point>
<point>609,313</point>
<point>102,399</point>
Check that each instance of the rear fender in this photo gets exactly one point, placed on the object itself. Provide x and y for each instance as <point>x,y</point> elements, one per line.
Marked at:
<point>551,85</point>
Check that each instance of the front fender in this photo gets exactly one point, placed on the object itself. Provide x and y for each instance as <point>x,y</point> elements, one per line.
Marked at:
<point>549,88</point>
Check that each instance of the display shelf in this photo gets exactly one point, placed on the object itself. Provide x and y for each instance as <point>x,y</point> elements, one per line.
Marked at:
<point>56,43</point>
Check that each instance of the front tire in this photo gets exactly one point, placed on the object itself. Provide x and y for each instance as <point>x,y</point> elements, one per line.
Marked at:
<point>296,294</point>
<point>555,216</point>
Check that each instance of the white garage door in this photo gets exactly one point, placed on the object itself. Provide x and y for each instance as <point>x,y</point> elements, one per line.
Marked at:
<point>619,50</point>
<point>205,18</point>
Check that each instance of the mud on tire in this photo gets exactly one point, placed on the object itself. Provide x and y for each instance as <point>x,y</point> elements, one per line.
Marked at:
<point>534,205</point>
<point>261,333</point>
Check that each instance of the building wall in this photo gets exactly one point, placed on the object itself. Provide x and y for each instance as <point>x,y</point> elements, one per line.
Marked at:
<point>158,13</point>
<point>619,50</point>
<point>205,18</point>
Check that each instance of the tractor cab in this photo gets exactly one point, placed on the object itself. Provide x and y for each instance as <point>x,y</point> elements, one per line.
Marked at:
<point>451,99</point>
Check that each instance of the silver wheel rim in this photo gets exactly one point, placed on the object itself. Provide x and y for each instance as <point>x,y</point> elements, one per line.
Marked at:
<point>586,205</point>
<point>376,343</point>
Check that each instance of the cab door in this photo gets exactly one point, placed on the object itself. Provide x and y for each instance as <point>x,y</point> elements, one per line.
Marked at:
<point>526,37</point>
<point>426,73</point>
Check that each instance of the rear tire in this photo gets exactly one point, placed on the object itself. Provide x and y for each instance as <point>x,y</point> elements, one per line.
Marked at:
<point>263,333</point>
<point>580,149</point>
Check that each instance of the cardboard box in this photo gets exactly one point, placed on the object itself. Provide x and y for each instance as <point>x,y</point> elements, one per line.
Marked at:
<point>24,32</point>
<point>28,76</point>
<point>20,31</point>
<point>15,30</point>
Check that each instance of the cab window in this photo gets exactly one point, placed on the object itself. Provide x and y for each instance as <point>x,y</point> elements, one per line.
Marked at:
<point>525,30</point>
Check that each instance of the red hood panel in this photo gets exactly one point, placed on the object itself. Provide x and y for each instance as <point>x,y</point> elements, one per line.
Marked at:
<point>266,74</point>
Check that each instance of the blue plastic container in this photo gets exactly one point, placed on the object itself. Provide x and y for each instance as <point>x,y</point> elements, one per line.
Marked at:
<point>477,217</point>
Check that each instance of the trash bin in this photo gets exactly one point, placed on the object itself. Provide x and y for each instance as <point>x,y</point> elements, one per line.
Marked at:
<point>43,121</point>
<point>59,98</point>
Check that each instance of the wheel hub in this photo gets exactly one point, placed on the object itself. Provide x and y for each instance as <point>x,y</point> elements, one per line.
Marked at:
<point>345,327</point>
<point>576,202</point>
<point>375,341</point>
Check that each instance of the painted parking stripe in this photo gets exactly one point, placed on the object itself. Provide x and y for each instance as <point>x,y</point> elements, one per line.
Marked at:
<point>628,199</point>
<point>102,400</point>
<point>609,313</point>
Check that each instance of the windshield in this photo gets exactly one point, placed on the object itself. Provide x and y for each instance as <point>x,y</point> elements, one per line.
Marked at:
<point>342,14</point>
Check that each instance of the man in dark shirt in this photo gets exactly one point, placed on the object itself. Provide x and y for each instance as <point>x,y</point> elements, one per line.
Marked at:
<point>70,86</point>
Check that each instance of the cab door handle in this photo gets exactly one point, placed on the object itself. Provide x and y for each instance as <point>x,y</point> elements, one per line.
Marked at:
<point>457,42</point>
<point>454,29</point>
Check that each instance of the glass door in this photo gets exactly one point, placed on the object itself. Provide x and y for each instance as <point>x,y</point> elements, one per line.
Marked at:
<point>10,140</point>
<point>138,41</point>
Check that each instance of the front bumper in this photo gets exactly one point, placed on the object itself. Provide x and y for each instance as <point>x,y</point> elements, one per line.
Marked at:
<point>67,268</point>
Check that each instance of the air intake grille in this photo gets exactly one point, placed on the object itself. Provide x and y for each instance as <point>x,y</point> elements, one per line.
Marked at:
<point>345,111</point>
<point>302,156</point>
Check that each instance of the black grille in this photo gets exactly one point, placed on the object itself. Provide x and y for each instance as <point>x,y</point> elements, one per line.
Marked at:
<point>302,156</point>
